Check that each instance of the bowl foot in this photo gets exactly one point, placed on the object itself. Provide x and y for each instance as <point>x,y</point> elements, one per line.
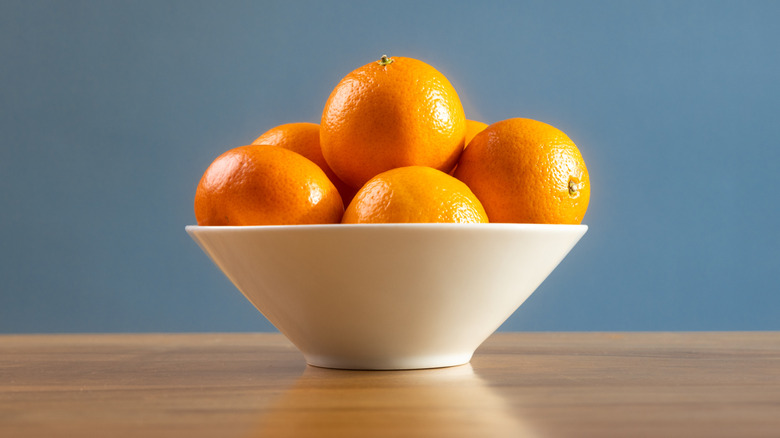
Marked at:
<point>388,363</point>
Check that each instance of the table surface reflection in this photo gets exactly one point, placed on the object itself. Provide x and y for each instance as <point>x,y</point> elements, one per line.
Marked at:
<point>517,384</point>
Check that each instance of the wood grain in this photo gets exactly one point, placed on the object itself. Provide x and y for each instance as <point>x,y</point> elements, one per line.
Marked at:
<point>518,385</point>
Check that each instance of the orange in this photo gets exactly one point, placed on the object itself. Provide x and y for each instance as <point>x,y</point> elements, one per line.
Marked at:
<point>526,171</point>
<point>395,112</point>
<point>265,185</point>
<point>414,194</point>
<point>304,138</point>
<point>473,128</point>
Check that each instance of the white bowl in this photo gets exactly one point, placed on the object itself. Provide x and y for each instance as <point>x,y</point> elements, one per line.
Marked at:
<point>387,296</point>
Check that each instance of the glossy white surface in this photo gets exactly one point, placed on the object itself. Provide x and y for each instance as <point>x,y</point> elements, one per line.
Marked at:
<point>387,296</point>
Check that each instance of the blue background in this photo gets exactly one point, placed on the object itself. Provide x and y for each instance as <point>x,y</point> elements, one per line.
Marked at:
<point>111,111</point>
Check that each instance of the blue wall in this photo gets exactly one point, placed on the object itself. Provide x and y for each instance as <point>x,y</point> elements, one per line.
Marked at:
<point>110,112</point>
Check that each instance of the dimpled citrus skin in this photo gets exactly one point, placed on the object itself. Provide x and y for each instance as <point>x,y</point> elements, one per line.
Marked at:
<point>304,138</point>
<point>525,171</point>
<point>414,194</point>
<point>395,112</point>
<point>265,185</point>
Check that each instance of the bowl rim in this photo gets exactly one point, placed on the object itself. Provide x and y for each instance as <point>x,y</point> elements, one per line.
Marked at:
<point>390,226</point>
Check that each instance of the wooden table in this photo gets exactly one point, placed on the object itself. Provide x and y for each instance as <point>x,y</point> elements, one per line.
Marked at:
<point>517,385</point>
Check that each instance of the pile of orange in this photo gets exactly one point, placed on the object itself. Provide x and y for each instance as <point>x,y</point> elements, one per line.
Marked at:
<point>394,145</point>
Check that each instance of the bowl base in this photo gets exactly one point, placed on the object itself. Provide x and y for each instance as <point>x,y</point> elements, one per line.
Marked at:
<point>388,363</point>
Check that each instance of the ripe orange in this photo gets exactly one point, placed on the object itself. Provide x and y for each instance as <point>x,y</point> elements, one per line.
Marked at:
<point>304,138</point>
<point>528,172</point>
<point>265,185</point>
<point>473,128</point>
<point>394,112</point>
<point>414,194</point>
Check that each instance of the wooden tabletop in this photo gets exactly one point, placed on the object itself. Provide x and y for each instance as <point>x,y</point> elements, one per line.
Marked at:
<point>517,385</point>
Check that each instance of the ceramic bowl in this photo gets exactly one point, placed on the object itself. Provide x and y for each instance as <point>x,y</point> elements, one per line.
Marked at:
<point>387,296</point>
